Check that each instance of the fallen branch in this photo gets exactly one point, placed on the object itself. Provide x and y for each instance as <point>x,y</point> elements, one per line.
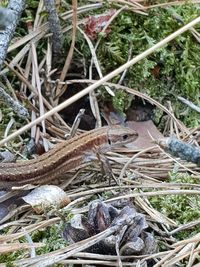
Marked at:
<point>21,111</point>
<point>180,149</point>
<point>13,12</point>
<point>55,28</point>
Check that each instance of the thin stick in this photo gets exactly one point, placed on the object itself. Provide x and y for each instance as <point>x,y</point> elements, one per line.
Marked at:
<point>71,50</point>
<point>155,193</point>
<point>189,104</point>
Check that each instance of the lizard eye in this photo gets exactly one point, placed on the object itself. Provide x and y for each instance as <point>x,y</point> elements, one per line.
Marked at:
<point>109,141</point>
<point>125,137</point>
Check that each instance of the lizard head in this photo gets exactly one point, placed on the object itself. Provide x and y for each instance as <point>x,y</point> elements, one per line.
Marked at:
<point>120,135</point>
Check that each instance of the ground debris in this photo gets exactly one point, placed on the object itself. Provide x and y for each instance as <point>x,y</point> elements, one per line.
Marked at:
<point>132,237</point>
<point>180,149</point>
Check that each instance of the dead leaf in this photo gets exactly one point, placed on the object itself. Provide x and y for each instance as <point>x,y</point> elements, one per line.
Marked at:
<point>46,196</point>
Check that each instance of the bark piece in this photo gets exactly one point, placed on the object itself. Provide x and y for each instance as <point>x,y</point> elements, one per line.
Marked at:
<point>15,7</point>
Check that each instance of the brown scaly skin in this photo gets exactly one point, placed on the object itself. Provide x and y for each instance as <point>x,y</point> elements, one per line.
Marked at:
<point>64,157</point>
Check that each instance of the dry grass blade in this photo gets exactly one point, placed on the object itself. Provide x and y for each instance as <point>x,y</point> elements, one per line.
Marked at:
<point>6,248</point>
<point>93,101</point>
<point>172,3</point>
<point>154,214</point>
<point>82,9</point>
<point>71,50</point>
<point>188,241</point>
<point>133,158</point>
<point>24,80</point>
<point>57,256</point>
<point>97,262</point>
<point>157,193</point>
<point>22,53</point>
<point>37,83</point>
<point>170,254</point>
<point>30,36</point>
<point>28,229</point>
<point>185,226</point>
<point>184,253</point>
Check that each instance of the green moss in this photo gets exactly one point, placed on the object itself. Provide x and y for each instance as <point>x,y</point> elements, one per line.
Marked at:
<point>167,73</point>
<point>180,208</point>
<point>51,237</point>
<point>176,63</point>
<point>32,4</point>
<point>4,3</point>
<point>120,101</point>
<point>9,258</point>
